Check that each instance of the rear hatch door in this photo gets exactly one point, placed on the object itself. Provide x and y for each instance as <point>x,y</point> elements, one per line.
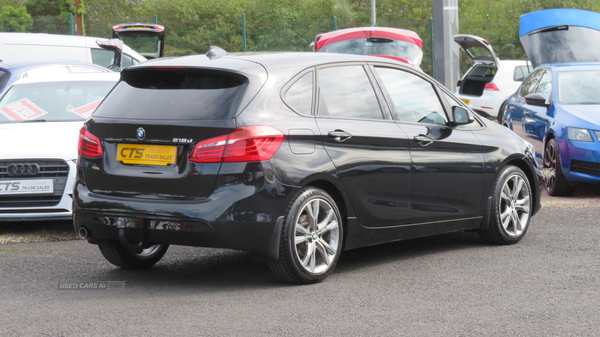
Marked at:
<point>477,49</point>
<point>151,123</point>
<point>560,35</point>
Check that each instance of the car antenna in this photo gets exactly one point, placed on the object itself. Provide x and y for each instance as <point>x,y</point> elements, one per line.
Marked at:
<point>215,52</point>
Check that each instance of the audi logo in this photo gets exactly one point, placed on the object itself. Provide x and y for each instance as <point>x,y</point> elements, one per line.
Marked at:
<point>23,170</point>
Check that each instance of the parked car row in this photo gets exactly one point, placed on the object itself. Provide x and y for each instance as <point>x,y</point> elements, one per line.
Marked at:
<point>556,107</point>
<point>297,157</point>
<point>49,85</point>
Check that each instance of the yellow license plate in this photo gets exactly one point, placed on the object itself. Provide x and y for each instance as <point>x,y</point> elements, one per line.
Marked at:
<point>467,101</point>
<point>146,154</point>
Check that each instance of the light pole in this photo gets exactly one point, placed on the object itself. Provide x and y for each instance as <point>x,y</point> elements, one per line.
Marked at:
<point>373,14</point>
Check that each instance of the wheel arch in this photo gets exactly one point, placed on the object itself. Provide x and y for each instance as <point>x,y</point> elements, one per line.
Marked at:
<point>340,199</point>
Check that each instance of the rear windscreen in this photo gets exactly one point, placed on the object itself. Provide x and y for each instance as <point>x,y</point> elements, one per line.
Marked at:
<point>175,94</point>
<point>562,44</point>
<point>52,101</point>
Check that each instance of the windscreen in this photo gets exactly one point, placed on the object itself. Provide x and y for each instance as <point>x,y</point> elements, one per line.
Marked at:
<point>52,101</point>
<point>579,87</point>
<point>188,94</point>
<point>364,46</point>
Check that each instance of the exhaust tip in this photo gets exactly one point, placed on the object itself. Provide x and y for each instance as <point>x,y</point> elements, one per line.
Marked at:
<point>83,232</point>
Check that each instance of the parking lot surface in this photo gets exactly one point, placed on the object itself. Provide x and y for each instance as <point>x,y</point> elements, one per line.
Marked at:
<point>448,285</point>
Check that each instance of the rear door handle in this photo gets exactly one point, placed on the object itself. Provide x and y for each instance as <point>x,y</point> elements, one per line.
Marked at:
<point>423,140</point>
<point>339,135</point>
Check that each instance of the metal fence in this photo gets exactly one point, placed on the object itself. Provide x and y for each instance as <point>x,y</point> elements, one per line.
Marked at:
<point>194,37</point>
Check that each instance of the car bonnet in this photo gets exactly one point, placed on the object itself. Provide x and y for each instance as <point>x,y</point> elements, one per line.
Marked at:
<point>39,140</point>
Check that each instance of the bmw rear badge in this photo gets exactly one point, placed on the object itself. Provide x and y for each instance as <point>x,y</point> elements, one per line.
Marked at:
<point>141,133</point>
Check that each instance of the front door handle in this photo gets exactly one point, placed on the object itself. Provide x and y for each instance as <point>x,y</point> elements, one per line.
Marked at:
<point>339,135</point>
<point>423,140</point>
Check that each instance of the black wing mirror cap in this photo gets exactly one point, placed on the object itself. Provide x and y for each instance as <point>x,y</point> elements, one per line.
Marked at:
<point>536,99</point>
<point>461,116</point>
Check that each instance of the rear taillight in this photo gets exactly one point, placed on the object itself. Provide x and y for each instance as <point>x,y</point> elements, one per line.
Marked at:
<point>89,145</point>
<point>491,86</point>
<point>246,143</point>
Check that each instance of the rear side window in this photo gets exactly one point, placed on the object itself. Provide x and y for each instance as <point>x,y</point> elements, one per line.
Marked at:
<point>347,92</point>
<point>300,95</point>
<point>194,94</point>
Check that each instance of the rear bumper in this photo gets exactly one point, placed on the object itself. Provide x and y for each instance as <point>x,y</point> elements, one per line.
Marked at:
<point>247,223</point>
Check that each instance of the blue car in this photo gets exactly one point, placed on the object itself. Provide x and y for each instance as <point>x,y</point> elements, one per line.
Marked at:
<point>557,108</point>
<point>13,71</point>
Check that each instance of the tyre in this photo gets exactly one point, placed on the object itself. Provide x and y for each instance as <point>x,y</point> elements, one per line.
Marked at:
<point>500,116</point>
<point>116,254</point>
<point>512,205</point>
<point>554,179</point>
<point>311,240</point>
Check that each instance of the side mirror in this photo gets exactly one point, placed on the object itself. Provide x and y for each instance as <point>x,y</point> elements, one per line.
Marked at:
<point>536,99</point>
<point>461,116</point>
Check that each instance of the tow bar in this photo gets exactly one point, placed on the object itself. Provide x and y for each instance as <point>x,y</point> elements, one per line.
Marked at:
<point>133,248</point>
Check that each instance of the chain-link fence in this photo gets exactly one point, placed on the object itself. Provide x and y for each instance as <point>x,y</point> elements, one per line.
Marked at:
<point>195,37</point>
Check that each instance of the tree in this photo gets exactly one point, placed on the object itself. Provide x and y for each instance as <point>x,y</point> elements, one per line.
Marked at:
<point>15,19</point>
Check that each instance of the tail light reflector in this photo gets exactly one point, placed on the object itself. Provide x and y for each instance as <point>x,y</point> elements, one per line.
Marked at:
<point>491,86</point>
<point>89,145</point>
<point>244,144</point>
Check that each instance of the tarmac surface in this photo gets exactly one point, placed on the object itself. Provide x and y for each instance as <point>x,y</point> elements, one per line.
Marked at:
<point>448,285</point>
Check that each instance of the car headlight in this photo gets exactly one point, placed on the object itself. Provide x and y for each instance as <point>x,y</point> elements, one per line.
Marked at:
<point>581,135</point>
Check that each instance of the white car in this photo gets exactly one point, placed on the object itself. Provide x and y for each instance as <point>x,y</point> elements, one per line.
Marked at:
<point>489,81</point>
<point>40,119</point>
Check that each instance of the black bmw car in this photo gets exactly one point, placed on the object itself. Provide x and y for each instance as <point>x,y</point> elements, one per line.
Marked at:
<point>295,157</point>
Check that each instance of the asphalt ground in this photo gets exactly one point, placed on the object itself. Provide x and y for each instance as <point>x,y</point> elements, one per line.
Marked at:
<point>447,285</point>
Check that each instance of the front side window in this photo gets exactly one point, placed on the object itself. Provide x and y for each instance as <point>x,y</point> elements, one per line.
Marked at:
<point>545,86</point>
<point>103,57</point>
<point>415,100</point>
<point>521,72</point>
<point>346,91</point>
<point>531,82</point>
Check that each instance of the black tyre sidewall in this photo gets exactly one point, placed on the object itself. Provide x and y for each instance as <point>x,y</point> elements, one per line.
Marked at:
<point>288,256</point>
<point>561,186</point>
<point>496,232</point>
<point>118,255</point>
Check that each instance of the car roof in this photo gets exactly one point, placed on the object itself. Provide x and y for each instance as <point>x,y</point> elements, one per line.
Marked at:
<point>257,62</point>
<point>110,76</point>
<point>41,63</point>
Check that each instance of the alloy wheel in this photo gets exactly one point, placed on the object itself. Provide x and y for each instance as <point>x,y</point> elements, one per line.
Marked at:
<point>515,205</point>
<point>317,234</point>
